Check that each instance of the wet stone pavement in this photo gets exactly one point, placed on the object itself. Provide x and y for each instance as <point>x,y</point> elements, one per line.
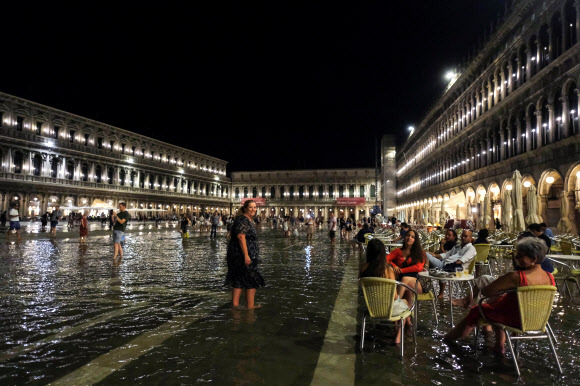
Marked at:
<point>71,315</point>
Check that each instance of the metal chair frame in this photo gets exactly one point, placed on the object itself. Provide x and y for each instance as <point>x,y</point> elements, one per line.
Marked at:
<point>375,319</point>
<point>549,335</point>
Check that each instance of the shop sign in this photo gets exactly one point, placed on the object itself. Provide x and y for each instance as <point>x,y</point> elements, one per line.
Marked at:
<point>260,201</point>
<point>350,201</point>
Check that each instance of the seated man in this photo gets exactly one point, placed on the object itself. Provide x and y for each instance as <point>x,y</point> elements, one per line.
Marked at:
<point>536,229</point>
<point>404,229</point>
<point>459,256</point>
<point>547,231</point>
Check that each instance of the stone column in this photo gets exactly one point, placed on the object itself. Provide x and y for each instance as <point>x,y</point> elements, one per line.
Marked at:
<point>504,87</point>
<point>502,154</point>
<point>528,60</point>
<point>538,132</point>
<point>552,127</point>
<point>529,133</point>
<point>565,117</point>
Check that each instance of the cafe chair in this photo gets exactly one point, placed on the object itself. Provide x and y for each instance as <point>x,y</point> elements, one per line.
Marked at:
<point>535,305</point>
<point>379,297</point>
<point>481,259</point>
<point>426,296</point>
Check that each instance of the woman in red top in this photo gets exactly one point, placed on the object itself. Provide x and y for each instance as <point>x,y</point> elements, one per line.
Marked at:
<point>407,262</point>
<point>530,252</point>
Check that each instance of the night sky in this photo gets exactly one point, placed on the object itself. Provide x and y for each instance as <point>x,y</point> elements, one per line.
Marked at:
<point>274,86</point>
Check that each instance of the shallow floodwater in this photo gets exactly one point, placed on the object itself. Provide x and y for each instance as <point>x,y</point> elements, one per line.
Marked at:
<point>71,314</point>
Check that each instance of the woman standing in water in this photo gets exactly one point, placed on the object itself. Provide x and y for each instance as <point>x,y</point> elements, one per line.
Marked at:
<point>243,256</point>
<point>84,228</point>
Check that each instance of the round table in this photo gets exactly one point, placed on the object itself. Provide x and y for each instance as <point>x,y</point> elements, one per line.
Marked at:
<point>501,246</point>
<point>450,281</point>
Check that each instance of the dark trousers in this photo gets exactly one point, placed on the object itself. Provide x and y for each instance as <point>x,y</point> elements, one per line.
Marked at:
<point>213,231</point>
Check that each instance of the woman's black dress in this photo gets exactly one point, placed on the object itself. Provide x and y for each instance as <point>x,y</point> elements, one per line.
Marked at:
<point>239,275</point>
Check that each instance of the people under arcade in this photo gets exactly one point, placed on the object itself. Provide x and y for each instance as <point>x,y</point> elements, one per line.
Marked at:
<point>536,229</point>
<point>458,257</point>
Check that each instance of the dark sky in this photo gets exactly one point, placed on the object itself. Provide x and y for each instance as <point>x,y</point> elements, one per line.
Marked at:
<point>262,86</point>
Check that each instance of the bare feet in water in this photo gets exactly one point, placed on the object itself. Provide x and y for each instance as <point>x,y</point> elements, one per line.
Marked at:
<point>463,302</point>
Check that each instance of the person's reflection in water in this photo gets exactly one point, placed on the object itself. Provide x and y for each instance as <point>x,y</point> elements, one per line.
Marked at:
<point>245,375</point>
<point>82,254</point>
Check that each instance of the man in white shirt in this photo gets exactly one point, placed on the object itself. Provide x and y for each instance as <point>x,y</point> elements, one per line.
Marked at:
<point>14,220</point>
<point>458,256</point>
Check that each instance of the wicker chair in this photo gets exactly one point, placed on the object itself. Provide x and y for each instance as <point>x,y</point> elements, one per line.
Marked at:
<point>426,296</point>
<point>379,297</point>
<point>535,306</point>
<point>481,258</point>
<point>564,273</point>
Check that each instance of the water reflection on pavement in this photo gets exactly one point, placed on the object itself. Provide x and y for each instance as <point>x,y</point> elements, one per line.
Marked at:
<point>70,314</point>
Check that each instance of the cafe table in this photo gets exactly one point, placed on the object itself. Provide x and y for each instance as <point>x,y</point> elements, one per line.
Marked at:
<point>450,280</point>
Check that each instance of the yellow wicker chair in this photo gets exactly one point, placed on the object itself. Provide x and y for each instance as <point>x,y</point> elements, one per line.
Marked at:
<point>379,297</point>
<point>535,305</point>
<point>562,272</point>
<point>481,258</point>
<point>425,296</point>
<point>566,247</point>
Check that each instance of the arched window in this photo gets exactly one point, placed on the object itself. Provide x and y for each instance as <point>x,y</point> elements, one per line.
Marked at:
<point>556,25</point>
<point>54,167</point>
<point>245,192</point>
<point>263,191</point>
<point>362,191</point>
<point>545,123</point>
<point>523,136</point>
<point>98,173</point>
<point>558,111</point>
<point>311,191</point>
<point>340,191</point>
<point>331,191</point>
<point>572,96</point>
<point>18,160</point>
<point>373,191</point>
<point>273,192</point>
<point>84,171</point>
<point>521,65</point>
<point>544,47</point>
<point>110,175</point>
<point>320,191</point>
<point>292,192</point>
<point>534,129</point>
<point>301,191</point>
<point>70,170</point>
<point>351,191</point>
<point>122,176</point>
<point>237,192</point>
<point>570,23</point>
<point>282,191</point>
<point>254,192</point>
<point>36,164</point>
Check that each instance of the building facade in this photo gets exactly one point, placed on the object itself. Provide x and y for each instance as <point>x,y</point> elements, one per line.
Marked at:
<point>309,192</point>
<point>52,157</point>
<point>514,107</point>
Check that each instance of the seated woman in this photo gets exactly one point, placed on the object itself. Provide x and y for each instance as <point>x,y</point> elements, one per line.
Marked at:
<point>530,253</point>
<point>376,266</point>
<point>482,236</point>
<point>407,262</point>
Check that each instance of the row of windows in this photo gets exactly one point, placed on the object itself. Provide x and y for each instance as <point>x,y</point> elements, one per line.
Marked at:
<point>540,124</point>
<point>72,136</point>
<point>306,192</point>
<point>108,175</point>
<point>522,63</point>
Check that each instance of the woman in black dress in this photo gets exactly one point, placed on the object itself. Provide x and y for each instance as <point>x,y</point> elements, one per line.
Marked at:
<point>243,256</point>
